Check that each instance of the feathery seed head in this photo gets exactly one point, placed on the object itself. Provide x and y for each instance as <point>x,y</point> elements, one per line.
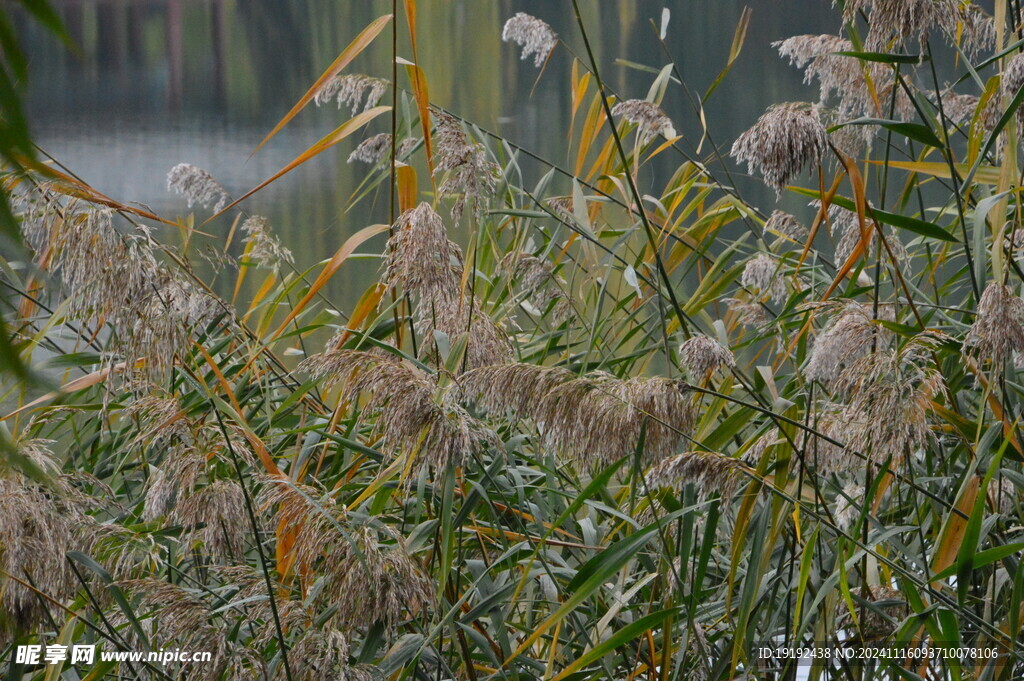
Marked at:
<point>786,225</point>
<point>1012,82</point>
<point>1005,496</point>
<point>163,321</point>
<point>372,150</point>
<point>39,451</point>
<point>860,88</point>
<point>1013,76</point>
<point>318,654</point>
<point>487,342</point>
<point>761,276</point>
<point>263,247</point>
<point>709,472</point>
<point>787,139</point>
<point>851,335</point>
<point>37,529</point>
<point>593,420</point>
<point>198,186</point>
<point>848,505</point>
<point>421,259</point>
<point>562,207</point>
<point>648,117</point>
<point>886,416</point>
<point>354,90</point>
<point>308,513</point>
<point>802,50</point>
<point>424,262</point>
<point>409,416</point>
<point>115,279</point>
<point>376,582</point>
<point>850,237</point>
<point>182,617</point>
<point>884,608</point>
<point>161,493</point>
<point>702,354</point>
<point>215,516</point>
<point>959,109</point>
<point>469,176</point>
<point>536,37</point>
<point>534,278</point>
<point>998,329</point>
<point>748,313</point>
<point>894,23</point>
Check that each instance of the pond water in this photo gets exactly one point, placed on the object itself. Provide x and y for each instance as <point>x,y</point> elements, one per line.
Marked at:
<point>159,82</point>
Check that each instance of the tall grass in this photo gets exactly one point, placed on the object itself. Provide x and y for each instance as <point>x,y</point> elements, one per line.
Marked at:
<point>629,427</point>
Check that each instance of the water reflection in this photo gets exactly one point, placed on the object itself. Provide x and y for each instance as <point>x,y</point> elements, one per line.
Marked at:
<point>158,82</point>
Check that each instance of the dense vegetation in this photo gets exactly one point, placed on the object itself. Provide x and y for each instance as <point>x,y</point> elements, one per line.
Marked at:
<point>597,421</point>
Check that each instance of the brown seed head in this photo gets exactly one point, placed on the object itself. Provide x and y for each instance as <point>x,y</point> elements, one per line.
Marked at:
<point>707,471</point>
<point>998,329</point>
<point>468,175</point>
<point>702,355</point>
<point>786,140</point>
<point>593,420</point>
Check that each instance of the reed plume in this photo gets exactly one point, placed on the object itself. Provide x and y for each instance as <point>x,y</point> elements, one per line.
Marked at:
<point>909,23</point>
<point>998,329</point>
<point>312,517</point>
<point>592,420</point>
<point>37,529</point>
<point>1011,83</point>
<point>889,397</point>
<point>536,37</point>
<point>1005,496</point>
<point>858,88</point>
<point>852,333</point>
<point>847,225</point>
<point>884,609</point>
<point>848,506</point>
<point>708,472</point>
<point>324,654</point>
<point>183,619</point>
<point>761,276</point>
<point>701,355</point>
<point>410,415</point>
<point>959,109</point>
<point>748,313</point>
<point>487,342</point>
<point>648,117</point>
<point>373,582</point>
<point>377,148</point>
<point>198,187</point>
<point>468,175</point>
<point>262,247</point>
<point>422,261</point>
<point>535,279</point>
<point>115,278</point>
<point>354,90</point>
<point>784,142</point>
<point>786,225</point>
<point>366,580</point>
<point>215,517</point>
